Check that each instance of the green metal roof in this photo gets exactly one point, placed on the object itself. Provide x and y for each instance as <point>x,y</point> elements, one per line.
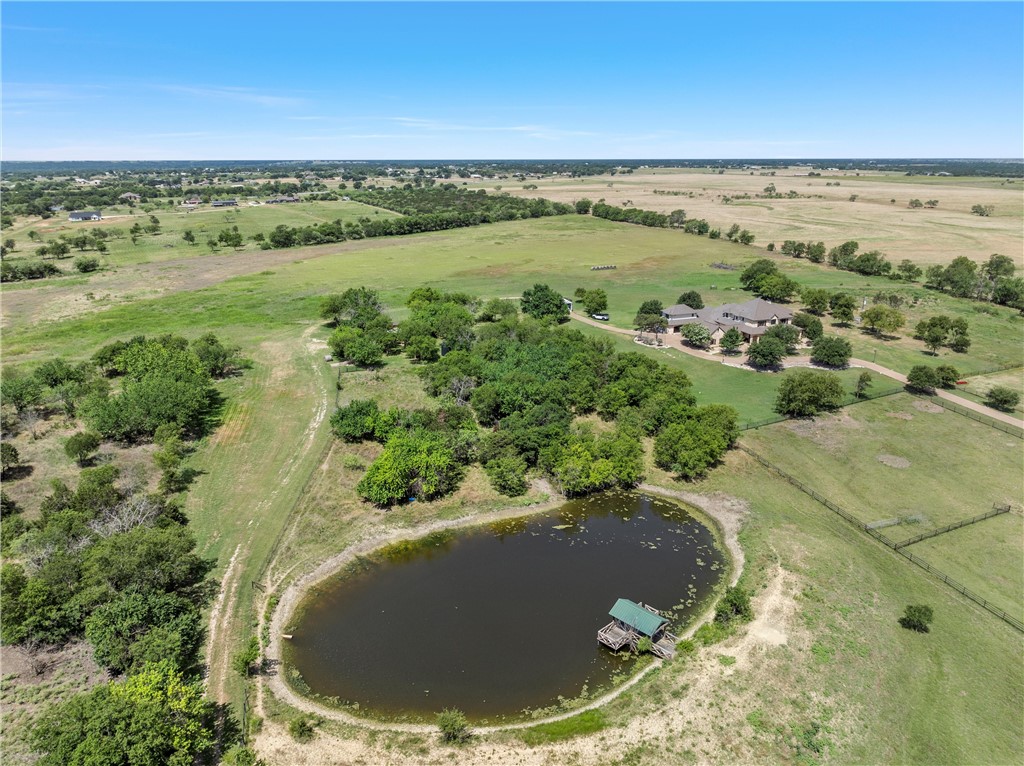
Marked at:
<point>637,617</point>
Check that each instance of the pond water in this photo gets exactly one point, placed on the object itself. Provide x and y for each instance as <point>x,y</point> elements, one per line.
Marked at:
<point>502,618</point>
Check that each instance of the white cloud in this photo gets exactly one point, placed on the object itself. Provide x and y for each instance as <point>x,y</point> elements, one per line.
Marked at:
<point>245,95</point>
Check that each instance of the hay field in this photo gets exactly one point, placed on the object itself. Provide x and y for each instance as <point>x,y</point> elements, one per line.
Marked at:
<point>925,236</point>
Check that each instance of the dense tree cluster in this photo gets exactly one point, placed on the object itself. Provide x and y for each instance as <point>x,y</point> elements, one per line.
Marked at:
<point>363,331</point>
<point>109,562</point>
<point>164,380</point>
<point>435,208</point>
<point>525,381</point>
<point>115,566</point>
<point>633,215</point>
<point>16,272</point>
<point>993,280</point>
<point>158,716</point>
<point>939,331</point>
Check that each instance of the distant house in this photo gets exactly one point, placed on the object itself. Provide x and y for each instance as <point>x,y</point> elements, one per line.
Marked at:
<point>752,318</point>
<point>132,196</point>
<point>84,215</point>
<point>192,201</point>
<point>224,203</point>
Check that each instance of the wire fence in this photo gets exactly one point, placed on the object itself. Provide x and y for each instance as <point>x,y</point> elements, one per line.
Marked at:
<point>890,543</point>
<point>999,425</point>
<point>850,399</point>
<point>996,511</point>
<point>990,370</point>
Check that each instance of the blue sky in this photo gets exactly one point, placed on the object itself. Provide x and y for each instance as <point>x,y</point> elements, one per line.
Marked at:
<point>517,80</point>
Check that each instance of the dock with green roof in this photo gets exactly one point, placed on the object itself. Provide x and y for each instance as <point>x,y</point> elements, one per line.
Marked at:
<point>633,621</point>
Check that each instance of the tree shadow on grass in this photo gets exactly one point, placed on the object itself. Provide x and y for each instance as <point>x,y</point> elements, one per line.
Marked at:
<point>16,472</point>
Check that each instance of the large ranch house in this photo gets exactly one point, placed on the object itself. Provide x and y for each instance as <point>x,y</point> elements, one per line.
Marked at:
<point>752,318</point>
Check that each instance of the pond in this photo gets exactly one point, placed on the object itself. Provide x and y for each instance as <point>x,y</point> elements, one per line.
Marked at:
<point>497,619</point>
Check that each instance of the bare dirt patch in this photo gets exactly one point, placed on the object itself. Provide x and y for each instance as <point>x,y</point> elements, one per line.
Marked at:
<point>827,431</point>
<point>894,461</point>
<point>899,415</point>
<point>924,406</point>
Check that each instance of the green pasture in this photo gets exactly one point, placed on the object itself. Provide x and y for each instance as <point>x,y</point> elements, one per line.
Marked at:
<point>504,259</point>
<point>881,694</point>
<point>897,457</point>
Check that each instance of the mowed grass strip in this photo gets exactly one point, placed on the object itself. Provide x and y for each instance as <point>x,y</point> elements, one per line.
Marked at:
<point>252,471</point>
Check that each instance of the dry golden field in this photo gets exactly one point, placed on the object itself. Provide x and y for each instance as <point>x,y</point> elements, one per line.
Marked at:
<point>823,211</point>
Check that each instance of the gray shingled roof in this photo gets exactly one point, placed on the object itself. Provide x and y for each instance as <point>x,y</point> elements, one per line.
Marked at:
<point>679,308</point>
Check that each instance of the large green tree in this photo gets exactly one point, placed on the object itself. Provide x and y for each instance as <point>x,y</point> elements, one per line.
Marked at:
<point>883,319</point>
<point>807,392</point>
<point>542,302</point>
<point>154,718</point>
<point>831,351</point>
<point>767,352</point>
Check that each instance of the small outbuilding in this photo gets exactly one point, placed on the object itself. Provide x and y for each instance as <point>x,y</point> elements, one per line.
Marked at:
<point>631,622</point>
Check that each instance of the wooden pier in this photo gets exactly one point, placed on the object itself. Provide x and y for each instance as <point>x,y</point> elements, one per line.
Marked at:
<point>631,622</point>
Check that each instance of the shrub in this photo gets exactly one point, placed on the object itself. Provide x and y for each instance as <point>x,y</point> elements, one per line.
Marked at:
<point>9,457</point>
<point>453,725</point>
<point>734,605</point>
<point>507,475</point>
<point>82,444</point>
<point>916,617</point>
<point>645,644</point>
<point>301,729</point>
<point>87,263</point>
<point>243,660</point>
<point>1002,398</point>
